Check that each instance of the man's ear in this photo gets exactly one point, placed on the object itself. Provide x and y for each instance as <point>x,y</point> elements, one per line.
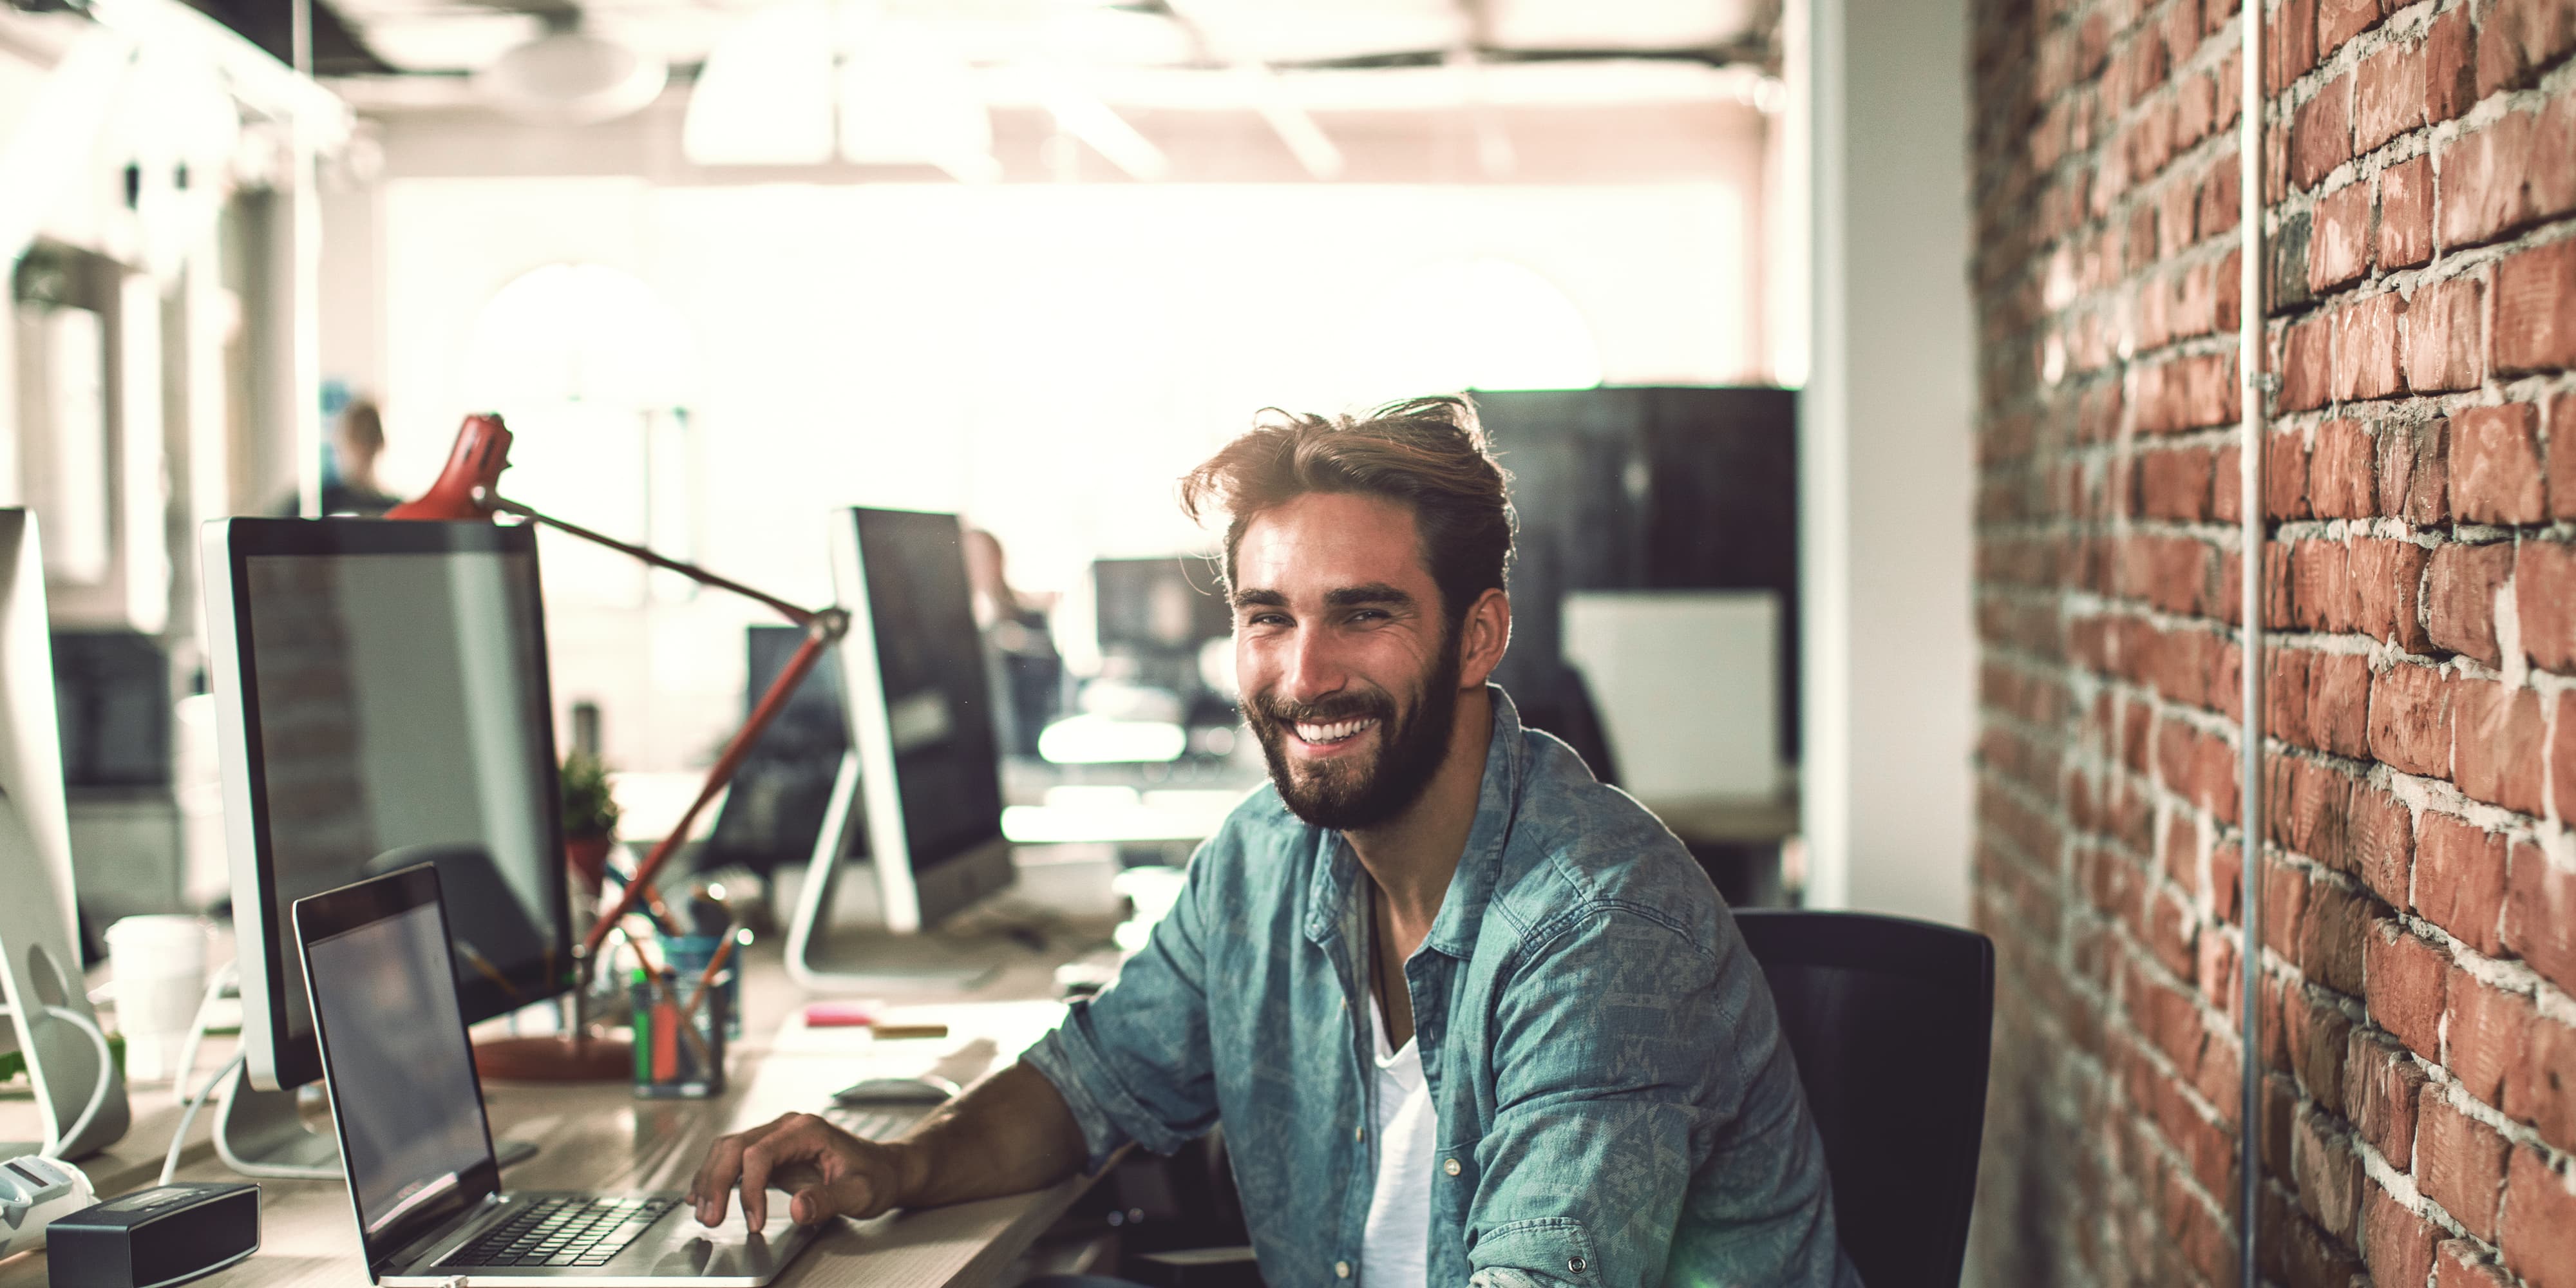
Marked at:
<point>1482,637</point>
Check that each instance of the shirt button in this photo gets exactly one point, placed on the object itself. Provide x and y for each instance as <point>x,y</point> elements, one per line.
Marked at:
<point>1451,1167</point>
<point>1341,1270</point>
<point>1577,1265</point>
<point>1359,1133</point>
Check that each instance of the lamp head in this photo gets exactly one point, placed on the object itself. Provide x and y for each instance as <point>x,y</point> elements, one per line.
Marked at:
<point>468,485</point>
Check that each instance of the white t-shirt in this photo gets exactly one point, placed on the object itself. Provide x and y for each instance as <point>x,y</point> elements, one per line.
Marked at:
<point>1392,1250</point>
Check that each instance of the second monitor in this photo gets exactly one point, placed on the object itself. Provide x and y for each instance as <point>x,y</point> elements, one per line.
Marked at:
<point>381,694</point>
<point>923,778</point>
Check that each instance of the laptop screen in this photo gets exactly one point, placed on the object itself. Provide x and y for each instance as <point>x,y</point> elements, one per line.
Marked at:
<point>412,1132</point>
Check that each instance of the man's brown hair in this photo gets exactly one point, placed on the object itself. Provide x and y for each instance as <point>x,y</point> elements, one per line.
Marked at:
<point>1427,454</point>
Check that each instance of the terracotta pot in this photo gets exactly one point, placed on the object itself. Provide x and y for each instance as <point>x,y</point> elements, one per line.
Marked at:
<point>588,858</point>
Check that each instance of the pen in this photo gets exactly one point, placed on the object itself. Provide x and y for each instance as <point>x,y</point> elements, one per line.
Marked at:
<point>664,981</point>
<point>707,977</point>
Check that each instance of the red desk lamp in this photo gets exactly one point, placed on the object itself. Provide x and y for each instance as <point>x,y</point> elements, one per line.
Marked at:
<point>467,489</point>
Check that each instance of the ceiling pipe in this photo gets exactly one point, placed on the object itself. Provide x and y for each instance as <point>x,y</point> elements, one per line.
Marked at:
<point>304,280</point>
<point>50,151</point>
<point>1087,118</point>
<point>1306,140</point>
<point>1268,95</point>
<point>262,83</point>
<point>1495,155</point>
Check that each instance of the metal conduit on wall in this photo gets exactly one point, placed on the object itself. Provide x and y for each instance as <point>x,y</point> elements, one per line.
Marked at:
<point>2254,386</point>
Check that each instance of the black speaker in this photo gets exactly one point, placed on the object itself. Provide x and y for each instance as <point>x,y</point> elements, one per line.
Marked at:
<point>165,1235</point>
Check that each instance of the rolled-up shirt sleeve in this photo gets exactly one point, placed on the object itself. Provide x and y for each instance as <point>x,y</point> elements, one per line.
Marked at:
<point>1133,1062</point>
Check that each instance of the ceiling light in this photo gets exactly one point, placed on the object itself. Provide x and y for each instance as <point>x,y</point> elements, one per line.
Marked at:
<point>572,78</point>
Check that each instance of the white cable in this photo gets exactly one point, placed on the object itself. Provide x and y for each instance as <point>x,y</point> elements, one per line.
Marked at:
<point>98,1093</point>
<point>216,983</point>
<point>106,1076</point>
<point>188,1118</point>
<point>215,986</point>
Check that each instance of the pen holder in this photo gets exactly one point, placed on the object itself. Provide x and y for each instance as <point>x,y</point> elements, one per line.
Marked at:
<point>689,954</point>
<point>679,1047</point>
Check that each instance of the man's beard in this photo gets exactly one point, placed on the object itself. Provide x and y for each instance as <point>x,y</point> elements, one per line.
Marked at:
<point>1345,794</point>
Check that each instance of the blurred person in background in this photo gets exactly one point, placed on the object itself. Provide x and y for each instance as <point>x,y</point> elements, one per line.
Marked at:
<point>349,485</point>
<point>1030,673</point>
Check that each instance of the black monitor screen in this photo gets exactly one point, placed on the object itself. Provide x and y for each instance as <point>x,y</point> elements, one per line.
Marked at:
<point>776,805</point>
<point>399,715</point>
<point>931,660</point>
<point>812,717</point>
<point>1169,603</point>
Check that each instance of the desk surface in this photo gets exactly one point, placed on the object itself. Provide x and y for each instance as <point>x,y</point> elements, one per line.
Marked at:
<point>1728,820</point>
<point>599,1137</point>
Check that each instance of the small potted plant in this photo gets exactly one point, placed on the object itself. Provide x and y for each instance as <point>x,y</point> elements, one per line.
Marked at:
<point>589,819</point>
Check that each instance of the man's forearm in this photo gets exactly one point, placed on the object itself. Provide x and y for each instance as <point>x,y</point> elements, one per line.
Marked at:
<point>1010,1134</point>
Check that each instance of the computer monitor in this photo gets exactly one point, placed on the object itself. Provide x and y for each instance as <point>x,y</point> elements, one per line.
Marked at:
<point>40,965</point>
<point>1166,621</point>
<point>776,804</point>
<point>1169,604</point>
<point>382,701</point>
<point>928,758</point>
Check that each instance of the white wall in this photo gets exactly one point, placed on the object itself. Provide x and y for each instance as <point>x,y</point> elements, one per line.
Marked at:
<point>1049,358</point>
<point>1046,358</point>
<point>1887,461</point>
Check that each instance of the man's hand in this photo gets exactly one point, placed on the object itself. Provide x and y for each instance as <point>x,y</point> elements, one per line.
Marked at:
<point>1008,1134</point>
<point>829,1171</point>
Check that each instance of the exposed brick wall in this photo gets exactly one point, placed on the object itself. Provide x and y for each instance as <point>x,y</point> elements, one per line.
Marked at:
<point>2419,871</point>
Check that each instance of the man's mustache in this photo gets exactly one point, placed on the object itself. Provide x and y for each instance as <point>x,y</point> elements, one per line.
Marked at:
<point>1325,711</point>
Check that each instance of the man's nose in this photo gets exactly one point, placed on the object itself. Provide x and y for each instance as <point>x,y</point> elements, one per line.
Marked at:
<point>1315,667</point>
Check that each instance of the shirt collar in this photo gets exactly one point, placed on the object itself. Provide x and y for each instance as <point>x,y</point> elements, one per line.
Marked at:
<point>1331,908</point>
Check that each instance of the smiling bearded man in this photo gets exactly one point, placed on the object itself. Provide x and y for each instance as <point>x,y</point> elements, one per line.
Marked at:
<point>1467,1015</point>
<point>1355,792</point>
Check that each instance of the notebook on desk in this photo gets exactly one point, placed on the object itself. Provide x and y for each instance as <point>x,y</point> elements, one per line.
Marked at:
<point>417,1142</point>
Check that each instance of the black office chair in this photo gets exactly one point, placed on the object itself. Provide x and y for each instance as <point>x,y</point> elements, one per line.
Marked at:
<point>1890,1020</point>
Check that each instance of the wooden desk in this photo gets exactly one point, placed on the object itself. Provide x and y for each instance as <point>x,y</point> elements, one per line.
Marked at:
<point>1728,820</point>
<point>599,1137</point>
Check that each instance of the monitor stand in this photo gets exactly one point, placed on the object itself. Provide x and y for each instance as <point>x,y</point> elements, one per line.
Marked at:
<point>263,1134</point>
<point>886,963</point>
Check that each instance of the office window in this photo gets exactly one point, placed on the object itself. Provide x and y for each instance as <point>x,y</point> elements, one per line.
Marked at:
<point>594,374</point>
<point>1475,323</point>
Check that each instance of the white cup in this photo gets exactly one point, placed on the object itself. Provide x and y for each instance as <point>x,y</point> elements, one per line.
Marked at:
<point>160,971</point>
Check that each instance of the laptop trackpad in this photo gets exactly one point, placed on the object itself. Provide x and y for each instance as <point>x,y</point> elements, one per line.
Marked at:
<point>679,1247</point>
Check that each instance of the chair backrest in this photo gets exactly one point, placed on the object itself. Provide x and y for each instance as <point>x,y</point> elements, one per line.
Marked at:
<point>1890,1020</point>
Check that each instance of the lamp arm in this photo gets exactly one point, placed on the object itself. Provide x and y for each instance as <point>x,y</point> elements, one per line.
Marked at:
<point>821,631</point>
<point>800,616</point>
<point>468,488</point>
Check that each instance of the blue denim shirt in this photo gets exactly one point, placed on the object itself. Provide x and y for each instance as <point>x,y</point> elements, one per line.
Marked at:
<point>1616,1106</point>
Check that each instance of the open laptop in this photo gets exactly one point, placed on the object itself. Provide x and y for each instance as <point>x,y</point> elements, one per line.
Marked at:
<point>418,1146</point>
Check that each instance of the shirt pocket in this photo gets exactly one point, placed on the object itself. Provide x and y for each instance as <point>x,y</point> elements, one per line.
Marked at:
<point>1541,1251</point>
<point>1455,1174</point>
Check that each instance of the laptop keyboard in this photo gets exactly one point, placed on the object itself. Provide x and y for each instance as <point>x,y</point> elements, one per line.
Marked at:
<point>568,1231</point>
<point>577,1231</point>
